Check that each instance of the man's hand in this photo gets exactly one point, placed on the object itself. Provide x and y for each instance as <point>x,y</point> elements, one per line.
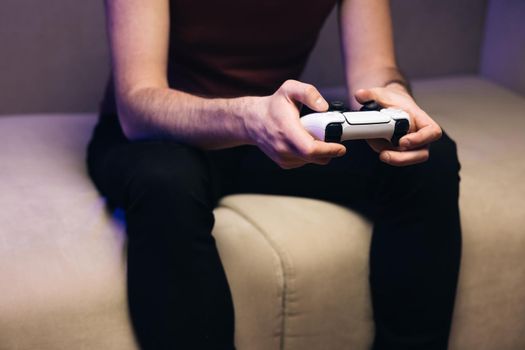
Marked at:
<point>277,131</point>
<point>413,148</point>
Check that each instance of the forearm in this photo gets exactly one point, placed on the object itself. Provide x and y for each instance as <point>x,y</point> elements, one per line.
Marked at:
<point>156,112</point>
<point>390,77</point>
<point>368,46</point>
<point>139,39</point>
<point>379,77</point>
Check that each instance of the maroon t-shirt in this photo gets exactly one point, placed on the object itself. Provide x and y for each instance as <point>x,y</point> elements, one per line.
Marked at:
<point>232,48</point>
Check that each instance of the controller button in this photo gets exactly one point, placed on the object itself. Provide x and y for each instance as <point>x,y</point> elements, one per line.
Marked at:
<point>333,132</point>
<point>400,130</point>
<point>338,106</point>
<point>371,106</point>
<point>368,117</point>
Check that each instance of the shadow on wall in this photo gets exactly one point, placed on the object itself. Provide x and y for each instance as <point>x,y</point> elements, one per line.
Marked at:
<point>504,48</point>
<point>55,58</point>
<point>433,38</point>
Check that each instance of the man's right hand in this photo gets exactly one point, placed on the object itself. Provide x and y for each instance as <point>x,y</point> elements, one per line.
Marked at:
<point>276,129</point>
<point>148,108</point>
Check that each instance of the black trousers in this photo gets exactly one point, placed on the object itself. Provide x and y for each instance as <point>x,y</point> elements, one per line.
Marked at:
<point>177,291</point>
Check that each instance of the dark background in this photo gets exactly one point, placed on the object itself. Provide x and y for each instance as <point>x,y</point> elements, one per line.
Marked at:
<point>54,55</point>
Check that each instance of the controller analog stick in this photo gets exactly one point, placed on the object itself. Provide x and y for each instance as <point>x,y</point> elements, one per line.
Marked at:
<point>337,106</point>
<point>371,106</point>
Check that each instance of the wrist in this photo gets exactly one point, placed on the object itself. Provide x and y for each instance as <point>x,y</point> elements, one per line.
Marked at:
<point>245,112</point>
<point>399,85</point>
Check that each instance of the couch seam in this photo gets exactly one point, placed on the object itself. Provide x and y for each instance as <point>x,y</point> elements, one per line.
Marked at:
<point>280,255</point>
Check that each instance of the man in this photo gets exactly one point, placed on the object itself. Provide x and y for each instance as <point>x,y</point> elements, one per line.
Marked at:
<point>204,103</point>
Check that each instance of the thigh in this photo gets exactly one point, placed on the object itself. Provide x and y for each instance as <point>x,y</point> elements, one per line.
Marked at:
<point>124,170</point>
<point>358,180</point>
<point>348,180</point>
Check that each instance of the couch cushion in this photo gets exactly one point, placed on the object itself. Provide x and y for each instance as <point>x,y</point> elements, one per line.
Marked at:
<point>62,264</point>
<point>317,292</point>
<point>488,123</point>
<point>61,256</point>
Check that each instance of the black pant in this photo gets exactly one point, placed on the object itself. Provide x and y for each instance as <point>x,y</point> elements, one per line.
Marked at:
<point>178,294</point>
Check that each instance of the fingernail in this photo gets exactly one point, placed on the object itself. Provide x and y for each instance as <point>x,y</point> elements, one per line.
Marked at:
<point>319,100</point>
<point>385,157</point>
<point>341,153</point>
<point>406,143</point>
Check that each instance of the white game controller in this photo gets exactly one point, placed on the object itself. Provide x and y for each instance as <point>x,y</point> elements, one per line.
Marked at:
<point>372,122</point>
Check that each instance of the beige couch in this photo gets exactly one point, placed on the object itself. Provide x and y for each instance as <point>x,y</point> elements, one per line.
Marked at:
<point>299,282</point>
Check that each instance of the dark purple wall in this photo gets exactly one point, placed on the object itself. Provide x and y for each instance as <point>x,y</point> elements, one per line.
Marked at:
<point>54,54</point>
<point>503,57</point>
<point>433,38</point>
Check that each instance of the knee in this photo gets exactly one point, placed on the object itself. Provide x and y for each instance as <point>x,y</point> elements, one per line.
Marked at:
<point>437,179</point>
<point>169,172</point>
<point>441,173</point>
<point>443,158</point>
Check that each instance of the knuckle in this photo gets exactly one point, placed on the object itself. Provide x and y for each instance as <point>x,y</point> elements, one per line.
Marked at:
<point>310,90</point>
<point>306,150</point>
<point>281,162</point>
<point>324,161</point>
<point>288,83</point>
<point>281,149</point>
<point>438,133</point>
<point>374,90</point>
<point>290,165</point>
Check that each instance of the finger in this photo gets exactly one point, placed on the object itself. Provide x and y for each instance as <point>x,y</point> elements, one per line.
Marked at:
<point>318,150</point>
<point>306,147</point>
<point>287,162</point>
<point>364,95</point>
<point>321,149</point>
<point>322,161</point>
<point>305,93</point>
<point>422,137</point>
<point>291,165</point>
<point>380,95</point>
<point>404,158</point>
<point>379,145</point>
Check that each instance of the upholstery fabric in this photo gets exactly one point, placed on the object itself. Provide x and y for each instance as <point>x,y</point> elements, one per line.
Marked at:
<point>487,123</point>
<point>321,266</point>
<point>61,263</point>
<point>298,267</point>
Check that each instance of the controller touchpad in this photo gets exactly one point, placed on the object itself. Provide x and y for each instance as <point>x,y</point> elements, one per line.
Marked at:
<point>371,117</point>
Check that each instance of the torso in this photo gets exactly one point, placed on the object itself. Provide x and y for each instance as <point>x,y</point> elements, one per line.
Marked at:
<point>231,48</point>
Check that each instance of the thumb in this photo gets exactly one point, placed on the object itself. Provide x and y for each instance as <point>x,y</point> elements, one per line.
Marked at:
<point>304,93</point>
<point>365,95</point>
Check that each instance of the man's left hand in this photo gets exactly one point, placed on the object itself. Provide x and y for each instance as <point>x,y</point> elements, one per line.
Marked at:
<point>413,147</point>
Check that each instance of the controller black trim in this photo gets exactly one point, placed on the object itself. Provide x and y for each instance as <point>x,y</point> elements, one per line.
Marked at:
<point>362,124</point>
<point>371,106</point>
<point>333,132</point>
<point>400,130</point>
